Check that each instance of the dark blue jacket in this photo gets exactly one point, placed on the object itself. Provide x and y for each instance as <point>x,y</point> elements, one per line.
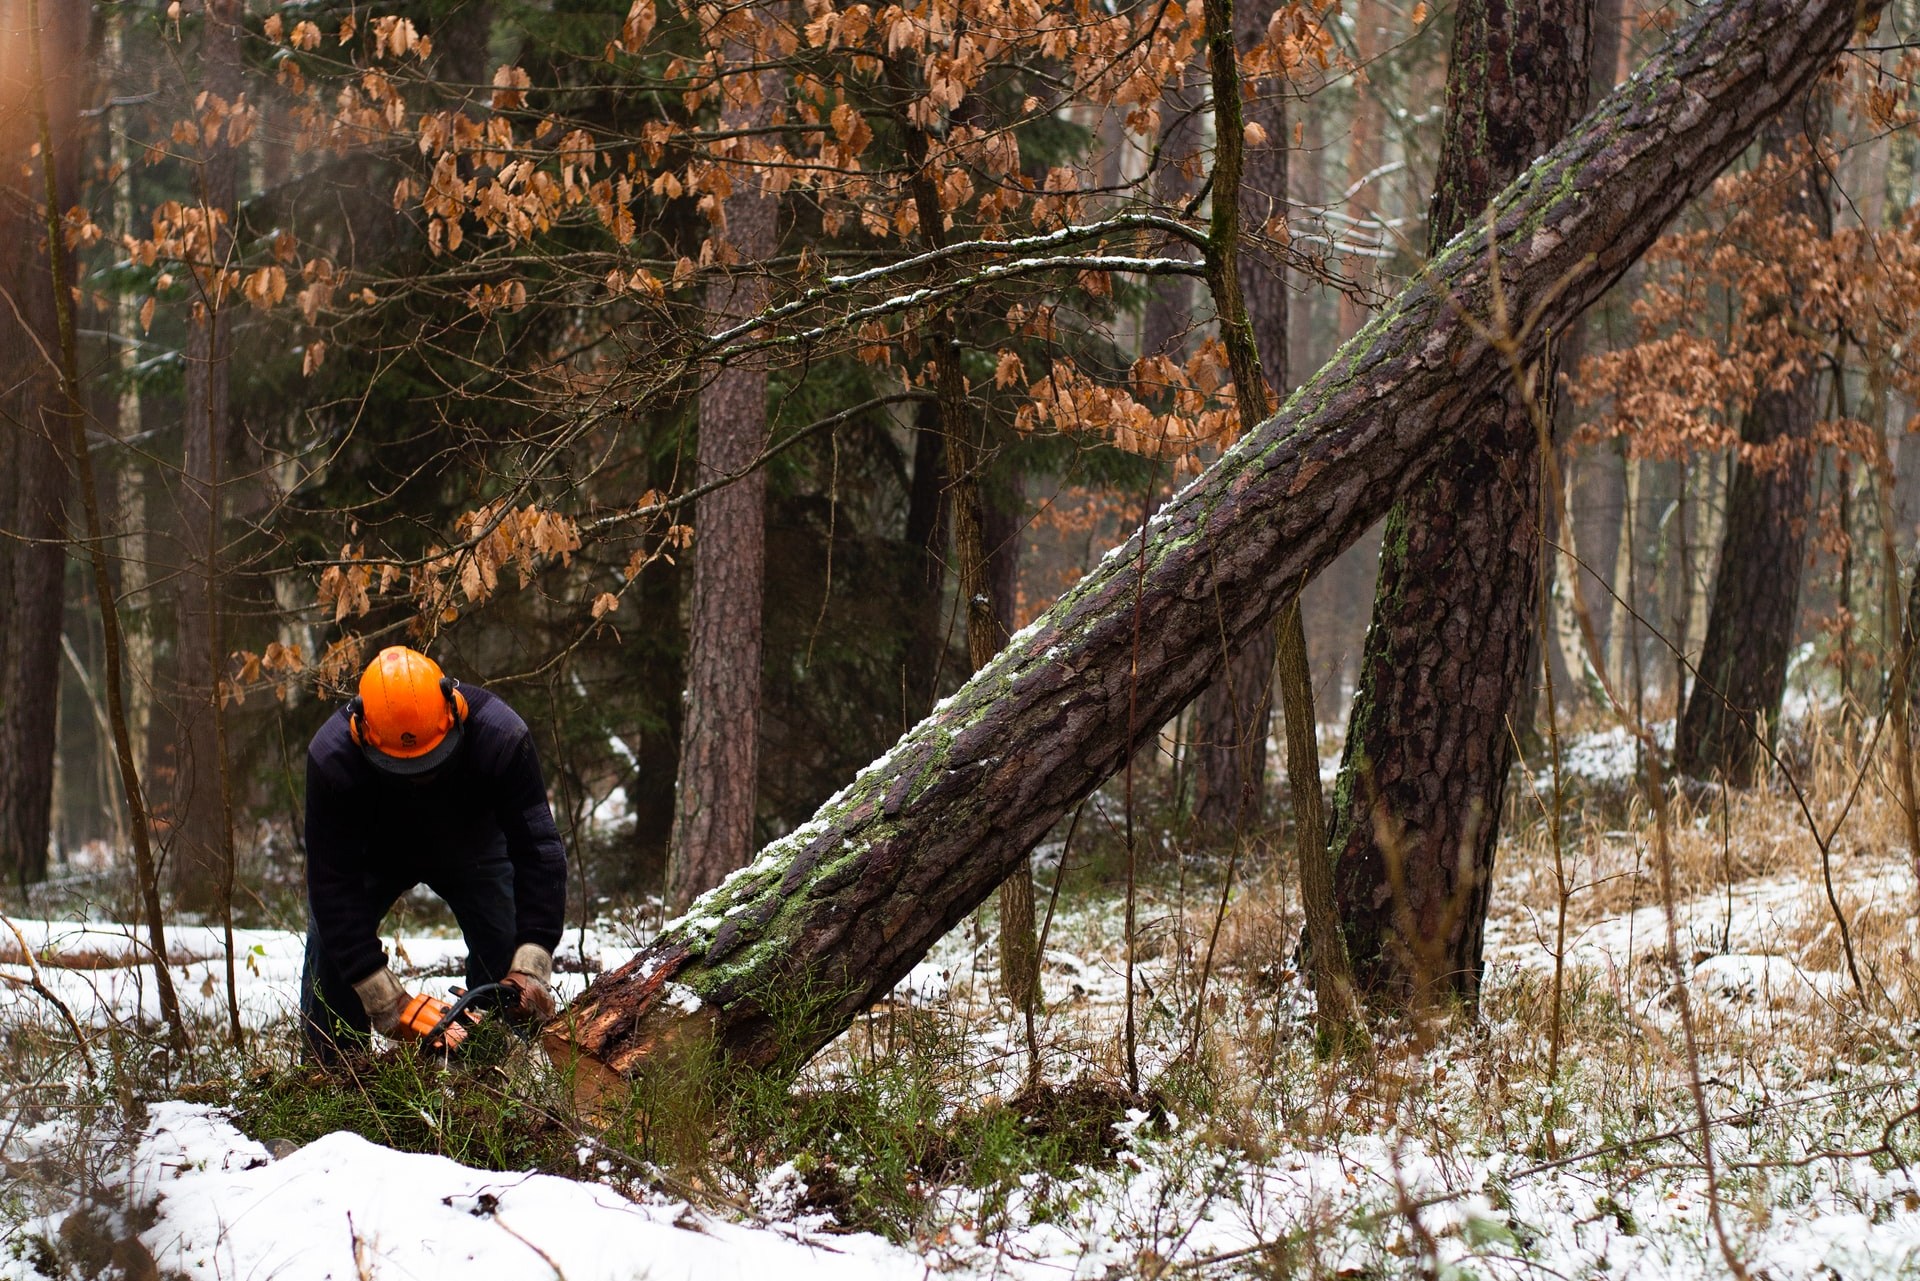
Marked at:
<point>370,836</point>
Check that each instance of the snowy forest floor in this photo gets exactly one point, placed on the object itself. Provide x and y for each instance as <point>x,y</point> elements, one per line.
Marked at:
<point>913,1147</point>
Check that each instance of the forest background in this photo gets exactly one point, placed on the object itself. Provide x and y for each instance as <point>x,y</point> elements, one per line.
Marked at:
<point>386,329</point>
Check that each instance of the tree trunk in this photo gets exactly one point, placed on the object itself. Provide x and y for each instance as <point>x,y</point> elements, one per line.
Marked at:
<point>1231,719</point>
<point>1573,675</point>
<point>1001,529</point>
<point>1623,630</point>
<point>929,519</point>
<point>1583,681</point>
<point>35,483</point>
<point>129,486</point>
<point>69,410</point>
<point>720,741</point>
<point>1417,807</point>
<point>1742,673</point>
<point>1169,311</point>
<point>1574,679</point>
<point>986,597</point>
<point>1366,150</point>
<point>777,962</point>
<point>196,857</point>
<point>1332,981</point>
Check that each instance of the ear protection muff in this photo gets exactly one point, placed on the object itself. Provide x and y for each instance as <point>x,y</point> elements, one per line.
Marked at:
<point>456,701</point>
<point>356,713</point>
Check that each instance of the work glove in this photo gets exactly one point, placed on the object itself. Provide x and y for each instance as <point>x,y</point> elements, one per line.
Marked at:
<point>381,996</point>
<point>528,976</point>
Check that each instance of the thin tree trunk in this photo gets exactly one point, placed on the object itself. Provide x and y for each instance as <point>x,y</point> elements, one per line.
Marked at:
<point>1231,719</point>
<point>831,916</point>
<point>1623,633</point>
<point>1708,503</point>
<point>1594,506</point>
<point>1900,713</point>
<point>1566,580</point>
<point>69,407</point>
<point>129,491</point>
<point>929,520</point>
<point>1365,150</point>
<point>1417,807</point>
<point>1561,570</point>
<point>1002,528</point>
<point>1895,623</point>
<point>196,859</point>
<point>34,483</point>
<point>720,741</point>
<point>1332,979</point>
<point>1169,312</point>
<point>987,626</point>
<point>1756,591</point>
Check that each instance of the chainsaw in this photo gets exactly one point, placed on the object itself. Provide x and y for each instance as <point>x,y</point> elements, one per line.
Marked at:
<point>441,1027</point>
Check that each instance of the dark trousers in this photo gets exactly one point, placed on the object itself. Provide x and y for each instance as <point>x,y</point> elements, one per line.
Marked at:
<point>480,892</point>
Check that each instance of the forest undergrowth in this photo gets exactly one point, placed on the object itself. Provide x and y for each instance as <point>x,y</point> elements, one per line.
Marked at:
<point>1538,1138</point>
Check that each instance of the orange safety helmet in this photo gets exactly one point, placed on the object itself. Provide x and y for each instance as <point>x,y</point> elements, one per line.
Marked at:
<point>409,715</point>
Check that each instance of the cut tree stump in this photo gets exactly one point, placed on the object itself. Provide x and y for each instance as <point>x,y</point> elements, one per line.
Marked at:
<point>776,962</point>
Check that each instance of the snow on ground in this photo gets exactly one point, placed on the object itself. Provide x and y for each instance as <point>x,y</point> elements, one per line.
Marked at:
<point>1609,756</point>
<point>343,1207</point>
<point>98,969</point>
<point>1461,1177</point>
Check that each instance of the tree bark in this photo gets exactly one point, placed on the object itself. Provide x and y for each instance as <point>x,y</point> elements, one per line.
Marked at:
<point>1000,534</point>
<point>777,962</point>
<point>1232,718</point>
<point>129,483</point>
<point>1429,742</point>
<point>929,519</point>
<point>196,852</point>
<point>1169,312</point>
<point>720,741</point>
<point>1596,504</point>
<point>1366,147</point>
<point>35,483</point>
<point>1742,674</point>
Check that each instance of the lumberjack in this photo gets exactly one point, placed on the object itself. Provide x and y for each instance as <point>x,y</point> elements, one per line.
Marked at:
<point>422,780</point>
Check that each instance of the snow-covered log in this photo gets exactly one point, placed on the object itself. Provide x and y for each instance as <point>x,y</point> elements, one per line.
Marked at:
<point>777,961</point>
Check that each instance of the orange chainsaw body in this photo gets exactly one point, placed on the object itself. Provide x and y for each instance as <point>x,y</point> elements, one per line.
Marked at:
<point>422,1014</point>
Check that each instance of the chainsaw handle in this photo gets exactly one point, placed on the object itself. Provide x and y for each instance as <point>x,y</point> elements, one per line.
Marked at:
<point>458,1008</point>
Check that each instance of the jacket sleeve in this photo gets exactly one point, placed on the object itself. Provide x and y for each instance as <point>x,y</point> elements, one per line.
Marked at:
<point>347,923</point>
<point>533,843</point>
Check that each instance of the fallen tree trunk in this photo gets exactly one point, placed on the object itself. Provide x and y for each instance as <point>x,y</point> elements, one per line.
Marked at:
<point>777,961</point>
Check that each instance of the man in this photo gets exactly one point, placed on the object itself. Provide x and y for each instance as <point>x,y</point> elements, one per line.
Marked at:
<point>423,780</point>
